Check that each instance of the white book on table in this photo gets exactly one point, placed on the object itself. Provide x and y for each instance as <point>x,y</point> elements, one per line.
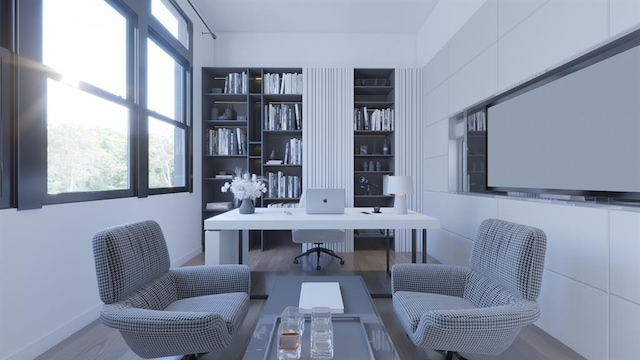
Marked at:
<point>321,294</point>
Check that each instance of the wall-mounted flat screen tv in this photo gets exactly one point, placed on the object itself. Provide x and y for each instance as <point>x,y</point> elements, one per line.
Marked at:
<point>576,134</point>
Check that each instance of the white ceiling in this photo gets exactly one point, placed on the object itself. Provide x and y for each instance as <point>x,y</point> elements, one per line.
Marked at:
<point>317,16</point>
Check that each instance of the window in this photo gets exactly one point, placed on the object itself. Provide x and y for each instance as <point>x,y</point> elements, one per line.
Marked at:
<point>87,142</point>
<point>167,14</point>
<point>166,99</point>
<point>5,128</point>
<point>104,102</point>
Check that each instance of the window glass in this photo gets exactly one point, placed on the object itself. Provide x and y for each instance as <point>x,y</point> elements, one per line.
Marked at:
<point>166,155</point>
<point>165,83</point>
<point>171,19</point>
<point>87,142</point>
<point>86,40</point>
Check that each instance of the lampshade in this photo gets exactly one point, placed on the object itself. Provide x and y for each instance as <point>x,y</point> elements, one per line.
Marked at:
<point>392,184</point>
<point>400,186</point>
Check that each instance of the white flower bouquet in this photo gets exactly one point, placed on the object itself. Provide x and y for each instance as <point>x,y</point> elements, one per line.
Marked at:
<point>245,186</point>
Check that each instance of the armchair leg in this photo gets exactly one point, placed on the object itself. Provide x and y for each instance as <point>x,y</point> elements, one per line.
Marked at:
<point>451,354</point>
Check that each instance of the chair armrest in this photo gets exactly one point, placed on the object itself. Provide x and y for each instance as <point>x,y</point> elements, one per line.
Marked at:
<point>202,280</point>
<point>430,278</point>
<point>136,320</point>
<point>490,318</point>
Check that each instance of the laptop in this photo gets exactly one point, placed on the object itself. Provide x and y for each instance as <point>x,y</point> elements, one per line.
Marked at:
<point>325,201</point>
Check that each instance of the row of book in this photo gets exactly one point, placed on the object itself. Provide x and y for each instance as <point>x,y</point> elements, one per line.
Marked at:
<point>283,186</point>
<point>376,120</point>
<point>477,122</point>
<point>283,205</point>
<point>236,83</point>
<point>293,152</point>
<point>226,141</point>
<point>282,117</point>
<point>219,206</point>
<point>286,83</point>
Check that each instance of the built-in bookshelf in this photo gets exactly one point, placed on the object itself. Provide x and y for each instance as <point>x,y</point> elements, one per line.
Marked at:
<point>252,121</point>
<point>374,124</point>
<point>476,152</point>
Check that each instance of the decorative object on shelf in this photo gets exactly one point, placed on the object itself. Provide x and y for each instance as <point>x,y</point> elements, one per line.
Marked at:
<point>366,185</point>
<point>385,148</point>
<point>365,166</point>
<point>378,166</point>
<point>400,186</point>
<point>246,188</point>
<point>214,113</point>
<point>363,150</point>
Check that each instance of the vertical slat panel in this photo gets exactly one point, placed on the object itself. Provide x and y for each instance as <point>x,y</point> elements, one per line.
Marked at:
<point>409,143</point>
<point>328,134</point>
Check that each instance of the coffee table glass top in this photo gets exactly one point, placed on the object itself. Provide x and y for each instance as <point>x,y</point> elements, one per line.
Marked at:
<point>358,333</point>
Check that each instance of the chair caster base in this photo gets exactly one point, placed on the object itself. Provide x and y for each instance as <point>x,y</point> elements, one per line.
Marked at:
<point>452,354</point>
<point>296,261</point>
<point>341,262</point>
<point>318,267</point>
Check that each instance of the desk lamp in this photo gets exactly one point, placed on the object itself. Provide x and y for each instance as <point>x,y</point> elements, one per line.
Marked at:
<point>400,186</point>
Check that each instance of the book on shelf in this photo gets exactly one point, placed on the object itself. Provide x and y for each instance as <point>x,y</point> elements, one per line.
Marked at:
<point>374,120</point>
<point>283,186</point>
<point>274,162</point>
<point>476,122</point>
<point>286,83</point>
<point>226,141</point>
<point>224,176</point>
<point>236,83</point>
<point>321,294</point>
<point>223,205</point>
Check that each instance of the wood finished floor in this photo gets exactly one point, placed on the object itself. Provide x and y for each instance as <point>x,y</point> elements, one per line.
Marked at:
<point>97,341</point>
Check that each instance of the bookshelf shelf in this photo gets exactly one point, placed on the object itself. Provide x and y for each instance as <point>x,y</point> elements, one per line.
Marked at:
<point>258,123</point>
<point>476,151</point>
<point>373,137</point>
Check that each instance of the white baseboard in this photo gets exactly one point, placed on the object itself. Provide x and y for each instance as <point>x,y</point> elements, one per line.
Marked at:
<point>53,338</point>
<point>190,255</point>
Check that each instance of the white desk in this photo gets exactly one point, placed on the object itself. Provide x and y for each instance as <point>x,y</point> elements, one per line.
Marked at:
<point>223,232</point>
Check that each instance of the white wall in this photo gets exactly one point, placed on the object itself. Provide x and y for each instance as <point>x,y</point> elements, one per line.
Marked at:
<point>315,50</point>
<point>590,297</point>
<point>48,286</point>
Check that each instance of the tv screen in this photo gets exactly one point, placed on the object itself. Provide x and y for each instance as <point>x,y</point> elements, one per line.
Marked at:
<point>579,133</point>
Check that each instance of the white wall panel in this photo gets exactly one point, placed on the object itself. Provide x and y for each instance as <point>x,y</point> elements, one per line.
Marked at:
<point>246,49</point>
<point>625,255</point>
<point>624,326</point>
<point>327,132</point>
<point>409,144</point>
<point>575,314</point>
<point>623,15</point>
<point>474,82</point>
<point>577,237</point>
<point>511,13</point>
<point>436,139</point>
<point>436,204</point>
<point>437,70</point>
<point>467,212</point>
<point>437,174</point>
<point>556,32</point>
<point>437,104</point>
<point>445,20</point>
<point>477,34</point>
<point>449,248</point>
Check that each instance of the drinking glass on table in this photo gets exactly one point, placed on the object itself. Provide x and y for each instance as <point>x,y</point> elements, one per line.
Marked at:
<point>289,340</point>
<point>321,333</point>
<point>295,314</point>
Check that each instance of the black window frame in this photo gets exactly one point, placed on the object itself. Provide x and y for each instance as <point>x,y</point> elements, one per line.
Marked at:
<point>7,89</point>
<point>31,78</point>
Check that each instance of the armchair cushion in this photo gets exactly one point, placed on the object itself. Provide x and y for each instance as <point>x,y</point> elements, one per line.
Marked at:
<point>413,305</point>
<point>232,307</point>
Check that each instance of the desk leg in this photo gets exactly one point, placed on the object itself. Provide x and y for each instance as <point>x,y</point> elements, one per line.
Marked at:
<point>220,247</point>
<point>388,243</point>
<point>424,246</point>
<point>414,234</point>
<point>239,246</point>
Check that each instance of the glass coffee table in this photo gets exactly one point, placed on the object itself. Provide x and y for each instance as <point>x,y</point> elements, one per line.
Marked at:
<point>358,333</point>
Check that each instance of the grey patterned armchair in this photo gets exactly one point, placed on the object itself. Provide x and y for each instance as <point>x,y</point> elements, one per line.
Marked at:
<point>476,309</point>
<point>161,311</point>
